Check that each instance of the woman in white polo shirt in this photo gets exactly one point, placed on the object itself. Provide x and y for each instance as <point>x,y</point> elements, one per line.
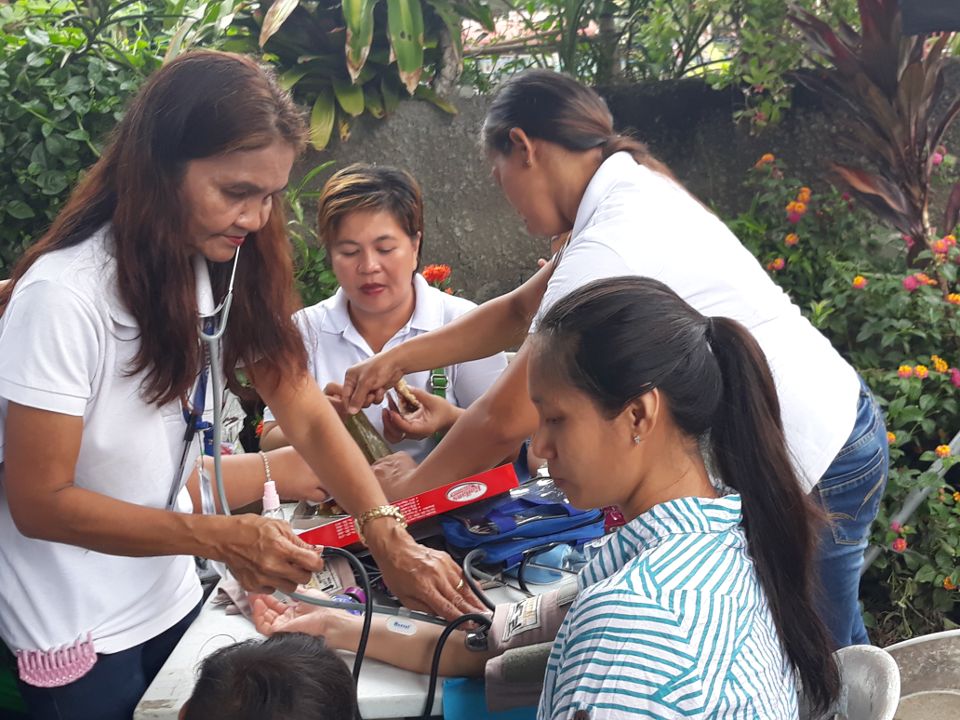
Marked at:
<point>562,167</point>
<point>101,369</point>
<point>370,220</point>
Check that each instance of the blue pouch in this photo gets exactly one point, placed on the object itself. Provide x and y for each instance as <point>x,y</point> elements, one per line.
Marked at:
<point>534,514</point>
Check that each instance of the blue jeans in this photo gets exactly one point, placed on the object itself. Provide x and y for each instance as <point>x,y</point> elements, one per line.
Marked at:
<point>112,689</point>
<point>850,493</point>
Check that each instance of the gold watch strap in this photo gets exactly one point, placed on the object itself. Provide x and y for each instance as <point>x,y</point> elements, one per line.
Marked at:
<point>380,511</point>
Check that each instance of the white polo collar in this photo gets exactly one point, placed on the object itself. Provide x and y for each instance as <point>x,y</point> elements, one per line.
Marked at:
<point>427,313</point>
<point>613,169</point>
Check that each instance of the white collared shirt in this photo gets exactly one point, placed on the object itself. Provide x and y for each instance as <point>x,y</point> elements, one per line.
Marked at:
<point>334,345</point>
<point>66,343</point>
<point>634,221</point>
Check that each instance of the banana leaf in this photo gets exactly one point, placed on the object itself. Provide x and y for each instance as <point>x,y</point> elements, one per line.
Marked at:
<point>371,442</point>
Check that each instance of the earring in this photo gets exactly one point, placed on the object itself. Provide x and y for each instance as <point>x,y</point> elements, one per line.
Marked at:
<point>636,439</point>
<point>527,163</point>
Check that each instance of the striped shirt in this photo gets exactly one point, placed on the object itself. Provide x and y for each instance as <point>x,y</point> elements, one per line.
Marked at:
<point>671,622</point>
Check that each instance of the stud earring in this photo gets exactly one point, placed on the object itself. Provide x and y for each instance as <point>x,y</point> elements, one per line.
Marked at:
<point>526,163</point>
<point>636,439</point>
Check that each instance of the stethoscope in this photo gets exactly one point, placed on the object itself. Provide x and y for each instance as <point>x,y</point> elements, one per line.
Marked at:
<point>212,325</point>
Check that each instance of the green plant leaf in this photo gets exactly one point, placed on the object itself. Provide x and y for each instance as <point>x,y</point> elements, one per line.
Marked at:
<point>358,16</point>
<point>405,25</point>
<point>373,101</point>
<point>321,119</point>
<point>349,96</point>
<point>290,78</point>
<point>19,210</point>
<point>275,17</point>
<point>426,93</point>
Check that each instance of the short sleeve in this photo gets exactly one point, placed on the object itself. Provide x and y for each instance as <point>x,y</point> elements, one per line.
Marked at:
<point>622,656</point>
<point>587,260</point>
<point>49,349</point>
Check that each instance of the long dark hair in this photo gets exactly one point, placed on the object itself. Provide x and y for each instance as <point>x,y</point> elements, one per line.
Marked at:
<point>362,187</point>
<point>619,338</point>
<point>288,676</point>
<point>200,105</point>
<point>554,107</point>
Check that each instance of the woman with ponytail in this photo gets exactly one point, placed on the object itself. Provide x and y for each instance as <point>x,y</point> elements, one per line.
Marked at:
<point>700,606</point>
<point>562,166</point>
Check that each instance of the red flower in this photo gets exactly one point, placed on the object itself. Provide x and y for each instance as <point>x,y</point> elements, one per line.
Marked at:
<point>259,430</point>
<point>899,545</point>
<point>436,274</point>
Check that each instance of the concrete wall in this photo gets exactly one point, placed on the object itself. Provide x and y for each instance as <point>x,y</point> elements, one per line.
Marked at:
<point>470,226</point>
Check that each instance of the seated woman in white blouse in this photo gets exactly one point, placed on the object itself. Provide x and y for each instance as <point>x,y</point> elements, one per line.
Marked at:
<point>370,220</point>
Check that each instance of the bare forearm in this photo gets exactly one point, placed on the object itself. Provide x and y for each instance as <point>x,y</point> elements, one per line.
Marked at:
<point>272,437</point>
<point>245,474</point>
<point>80,517</point>
<point>491,429</point>
<point>410,652</point>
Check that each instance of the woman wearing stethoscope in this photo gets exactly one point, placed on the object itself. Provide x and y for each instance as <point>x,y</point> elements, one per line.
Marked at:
<point>99,365</point>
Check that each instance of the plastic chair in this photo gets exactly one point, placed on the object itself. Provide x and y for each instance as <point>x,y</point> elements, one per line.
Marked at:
<point>869,686</point>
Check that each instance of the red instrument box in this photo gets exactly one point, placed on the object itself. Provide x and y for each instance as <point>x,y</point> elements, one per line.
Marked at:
<point>341,532</point>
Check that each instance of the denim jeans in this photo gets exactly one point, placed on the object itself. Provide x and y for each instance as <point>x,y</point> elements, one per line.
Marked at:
<point>112,689</point>
<point>850,493</point>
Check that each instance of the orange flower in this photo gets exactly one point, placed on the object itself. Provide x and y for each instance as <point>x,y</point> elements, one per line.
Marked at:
<point>953,298</point>
<point>891,438</point>
<point>791,239</point>
<point>804,195</point>
<point>436,274</point>
<point>899,545</point>
<point>905,371</point>
<point>948,584</point>
<point>921,371</point>
<point>776,265</point>
<point>939,364</point>
<point>956,497</point>
<point>859,282</point>
<point>764,160</point>
<point>449,291</point>
<point>925,279</point>
<point>942,451</point>
<point>940,246</point>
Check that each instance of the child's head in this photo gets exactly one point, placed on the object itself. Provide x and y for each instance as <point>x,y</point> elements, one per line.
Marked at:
<point>289,676</point>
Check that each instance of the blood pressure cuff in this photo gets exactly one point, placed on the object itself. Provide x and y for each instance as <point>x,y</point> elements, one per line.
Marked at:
<point>531,621</point>
<point>529,517</point>
<point>515,679</point>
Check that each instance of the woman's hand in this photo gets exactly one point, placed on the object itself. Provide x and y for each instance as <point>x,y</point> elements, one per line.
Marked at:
<point>393,473</point>
<point>436,414</point>
<point>366,382</point>
<point>423,578</point>
<point>271,615</point>
<point>264,555</point>
<point>294,477</point>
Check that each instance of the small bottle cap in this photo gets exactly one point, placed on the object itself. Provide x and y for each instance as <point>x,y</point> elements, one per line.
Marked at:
<point>271,500</point>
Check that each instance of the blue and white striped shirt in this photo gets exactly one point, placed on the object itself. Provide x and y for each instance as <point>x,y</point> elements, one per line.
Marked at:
<point>671,622</point>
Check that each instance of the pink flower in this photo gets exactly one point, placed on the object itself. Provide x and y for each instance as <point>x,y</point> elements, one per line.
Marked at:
<point>955,377</point>
<point>793,217</point>
<point>899,545</point>
<point>895,526</point>
<point>910,283</point>
<point>936,159</point>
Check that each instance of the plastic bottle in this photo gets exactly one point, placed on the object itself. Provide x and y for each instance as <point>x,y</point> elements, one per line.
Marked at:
<point>271,502</point>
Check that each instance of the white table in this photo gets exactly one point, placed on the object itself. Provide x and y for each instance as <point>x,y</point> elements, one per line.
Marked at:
<point>383,691</point>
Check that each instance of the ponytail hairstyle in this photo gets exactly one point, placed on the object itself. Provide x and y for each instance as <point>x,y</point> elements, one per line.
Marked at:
<point>550,106</point>
<point>200,105</point>
<point>368,188</point>
<point>618,338</point>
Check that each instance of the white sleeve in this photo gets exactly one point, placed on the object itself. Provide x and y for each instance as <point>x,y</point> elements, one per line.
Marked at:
<point>587,260</point>
<point>49,349</point>
<point>472,379</point>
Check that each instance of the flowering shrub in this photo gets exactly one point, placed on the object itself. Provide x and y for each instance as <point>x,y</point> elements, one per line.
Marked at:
<point>899,325</point>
